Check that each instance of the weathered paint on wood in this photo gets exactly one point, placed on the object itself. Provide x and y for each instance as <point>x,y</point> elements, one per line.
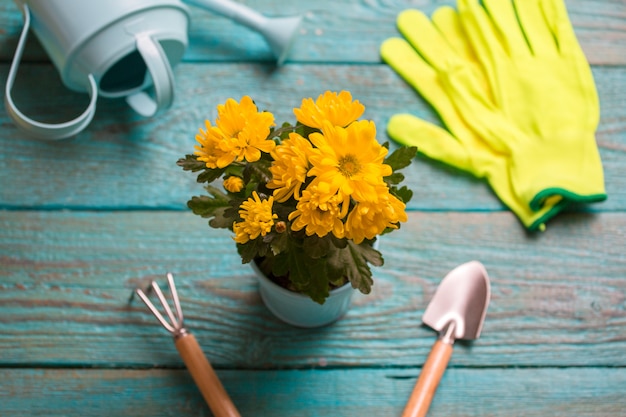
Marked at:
<point>85,221</point>
<point>558,298</point>
<point>314,393</point>
<point>109,165</point>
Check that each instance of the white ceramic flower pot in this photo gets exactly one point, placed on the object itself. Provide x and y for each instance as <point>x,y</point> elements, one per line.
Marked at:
<point>298,309</point>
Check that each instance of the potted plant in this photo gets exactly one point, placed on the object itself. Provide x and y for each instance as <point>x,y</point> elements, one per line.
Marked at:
<point>305,201</point>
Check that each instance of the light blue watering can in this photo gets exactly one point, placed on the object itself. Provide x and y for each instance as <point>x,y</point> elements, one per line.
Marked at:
<point>123,48</point>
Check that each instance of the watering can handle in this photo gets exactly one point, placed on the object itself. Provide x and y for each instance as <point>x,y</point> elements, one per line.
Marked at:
<point>162,79</point>
<point>40,130</point>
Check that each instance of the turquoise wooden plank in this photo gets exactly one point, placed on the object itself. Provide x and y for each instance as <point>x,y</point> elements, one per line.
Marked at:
<point>66,277</point>
<point>123,161</point>
<point>109,215</point>
<point>346,31</point>
<point>585,392</point>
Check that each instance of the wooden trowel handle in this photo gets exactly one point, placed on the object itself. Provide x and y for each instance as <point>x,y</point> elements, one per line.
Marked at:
<point>428,381</point>
<point>205,377</point>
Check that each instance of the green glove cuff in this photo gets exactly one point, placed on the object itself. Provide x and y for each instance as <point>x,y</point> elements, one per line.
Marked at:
<point>543,195</point>
<point>574,172</point>
<point>535,221</point>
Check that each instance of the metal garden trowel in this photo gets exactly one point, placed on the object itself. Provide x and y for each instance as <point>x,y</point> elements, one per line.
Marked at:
<point>457,311</point>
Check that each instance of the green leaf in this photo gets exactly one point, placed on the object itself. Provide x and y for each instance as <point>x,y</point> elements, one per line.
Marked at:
<point>395,178</point>
<point>358,271</point>
<point>236,170</point>
<point>191,163</point>
<point>340,243</point>
<point>404,193</point>
<point>314,276</point>
<point>279,242</point>
<point>210,175</point>
<point>247,253</point>
<point>233,210</point>
<point>204,206</point>
<point>336,265</point>
<point>370,254</point>
<point>207,205</point>
<point>280,265</point>
<point>252,249</point>
<point>318,288</point>
<point>401,157</point>
<point>308,275</point>
<point>222,219</point>
<point>305,131</point>
<point>315,246</point>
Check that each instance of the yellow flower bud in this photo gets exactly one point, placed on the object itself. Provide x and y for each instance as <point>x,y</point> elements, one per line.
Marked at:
<point>233,184</point>
<point>281,227</point>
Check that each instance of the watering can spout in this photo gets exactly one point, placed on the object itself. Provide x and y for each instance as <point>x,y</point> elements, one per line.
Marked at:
<point>279,32</point>
<point>280,36</point>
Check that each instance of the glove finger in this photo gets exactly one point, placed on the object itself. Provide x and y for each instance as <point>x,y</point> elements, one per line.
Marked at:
<point>446,20</point>
<point>453,90</point>
<point>536,29</point>
<point>480,32</point>
<point>424,79</point>
<point>400,56</point>
<point>431,140</point>
<point>480,114</point>
<point>481,35</point>
<point>426,39</point>
<point>561,27</point>
<point>569,48</point>
<point>503,18</point>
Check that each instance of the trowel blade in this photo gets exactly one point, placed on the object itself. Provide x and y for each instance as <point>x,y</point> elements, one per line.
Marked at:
<point>461,299</point>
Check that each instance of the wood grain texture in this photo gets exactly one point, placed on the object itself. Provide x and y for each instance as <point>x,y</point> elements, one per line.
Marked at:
<point>313,393</point>
<point>347,31</point>
<point>557,298</point>
<point>83,222</point>
<point>108,166</point>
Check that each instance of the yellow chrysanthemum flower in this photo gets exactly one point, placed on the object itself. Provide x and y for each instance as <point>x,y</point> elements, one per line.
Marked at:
<point>350,160</point>
<point>209,150</point>
<point>367,219</point>
<point>290,166</point>
<point>233,184</point>
<point>257,219</point>
<point>338,109</point>
<point>318,212</point>
<point>240,133</point>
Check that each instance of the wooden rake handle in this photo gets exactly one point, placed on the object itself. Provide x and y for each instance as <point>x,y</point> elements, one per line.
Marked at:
<point>205,377</point>
<point>429,378</point>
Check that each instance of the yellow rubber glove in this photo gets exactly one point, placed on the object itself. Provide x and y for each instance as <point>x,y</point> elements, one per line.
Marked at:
<point>460,146</point>
<point>541,82</point>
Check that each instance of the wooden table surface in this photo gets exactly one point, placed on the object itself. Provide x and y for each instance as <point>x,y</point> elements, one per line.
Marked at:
<point>83,222</point>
